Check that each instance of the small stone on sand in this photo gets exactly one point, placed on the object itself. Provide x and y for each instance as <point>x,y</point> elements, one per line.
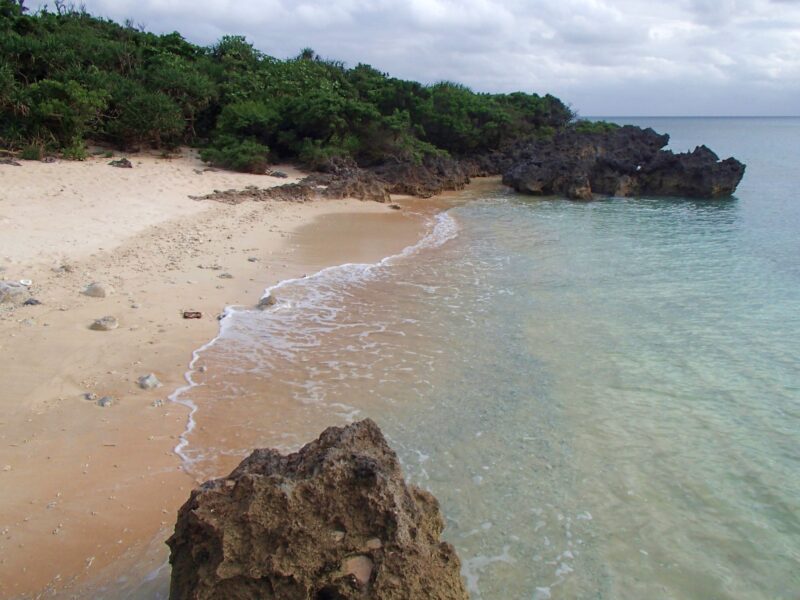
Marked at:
<point>105,401</point>
<point>149,382</point>
<point>105,324</point>
<point>13,291</point>
<point>267,301</point>
<point>98,290</point>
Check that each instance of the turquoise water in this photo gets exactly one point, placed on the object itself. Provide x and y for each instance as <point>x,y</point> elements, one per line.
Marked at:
<point>605,396</point>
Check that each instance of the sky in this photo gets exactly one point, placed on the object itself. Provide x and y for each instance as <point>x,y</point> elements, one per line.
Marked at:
<point>603,57</point>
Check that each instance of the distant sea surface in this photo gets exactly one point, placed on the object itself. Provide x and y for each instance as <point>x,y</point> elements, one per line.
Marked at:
<point>604,396</point>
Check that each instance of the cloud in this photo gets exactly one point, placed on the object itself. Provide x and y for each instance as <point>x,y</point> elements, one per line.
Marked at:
<point>622,57</point>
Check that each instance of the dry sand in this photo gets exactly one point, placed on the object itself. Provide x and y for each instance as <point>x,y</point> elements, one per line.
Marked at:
<point>86,490</point>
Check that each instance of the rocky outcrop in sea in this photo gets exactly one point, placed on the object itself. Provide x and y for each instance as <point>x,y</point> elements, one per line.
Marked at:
<point>627,161</point>
<point>335,520</point>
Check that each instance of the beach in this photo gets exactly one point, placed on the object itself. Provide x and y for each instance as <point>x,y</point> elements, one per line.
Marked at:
<point>89,490</point>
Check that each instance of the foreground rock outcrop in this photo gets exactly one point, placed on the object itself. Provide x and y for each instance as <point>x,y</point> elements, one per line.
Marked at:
<point>333,521</point>
<point>627,161</point>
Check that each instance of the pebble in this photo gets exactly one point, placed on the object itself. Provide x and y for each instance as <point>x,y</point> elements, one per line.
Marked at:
<point>149,382</point>
<point>91,396</point>
<point>105,324</point>
<point>98,290</point>
<point>252,259</point>
<point>105,401</point>
<point>12,291</point>
<point>225,276</point>
<point>122,163</point>
<point>31,302</point>
<point>267,301</point>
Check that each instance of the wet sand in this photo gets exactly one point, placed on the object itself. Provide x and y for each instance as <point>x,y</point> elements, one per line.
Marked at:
<point>88,494</point>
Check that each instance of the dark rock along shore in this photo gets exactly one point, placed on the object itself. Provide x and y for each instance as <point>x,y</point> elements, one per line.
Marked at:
<point>335,520</point>
<point>627,161</point>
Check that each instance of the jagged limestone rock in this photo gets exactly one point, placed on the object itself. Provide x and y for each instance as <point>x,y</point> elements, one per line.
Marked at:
<point>335,520</point>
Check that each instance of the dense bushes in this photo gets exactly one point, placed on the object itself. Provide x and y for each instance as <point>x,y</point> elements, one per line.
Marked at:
<point>585,126</point>
<point>70,77</point>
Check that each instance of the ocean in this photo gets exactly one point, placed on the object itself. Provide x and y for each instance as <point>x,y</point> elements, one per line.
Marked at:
<point>604,396</point>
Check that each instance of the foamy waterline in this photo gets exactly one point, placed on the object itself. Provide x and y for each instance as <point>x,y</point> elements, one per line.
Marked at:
<point>441,229</point>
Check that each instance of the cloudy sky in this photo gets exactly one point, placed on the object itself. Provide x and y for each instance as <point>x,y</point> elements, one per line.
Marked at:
<point>604,57</point>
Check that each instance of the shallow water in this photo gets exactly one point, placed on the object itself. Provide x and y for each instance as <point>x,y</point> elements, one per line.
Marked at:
<point>605,397</point>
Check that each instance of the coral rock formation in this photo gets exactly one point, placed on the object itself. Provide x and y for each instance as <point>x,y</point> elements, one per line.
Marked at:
<point>335,520</point>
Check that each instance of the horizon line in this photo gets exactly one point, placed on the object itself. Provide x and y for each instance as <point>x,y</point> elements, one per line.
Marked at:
<point>690,116</point>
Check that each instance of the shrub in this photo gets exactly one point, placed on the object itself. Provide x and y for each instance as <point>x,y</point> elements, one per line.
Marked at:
<point>313,154</point>
<point>62,111</point>
<point>75,151</point>
<point>146,118</point>
<point>248,156</point>
<point>586,126</point>
<point>32,152</point>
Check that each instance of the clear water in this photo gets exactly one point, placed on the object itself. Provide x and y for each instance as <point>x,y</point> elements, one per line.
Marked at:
<point>605,397</point>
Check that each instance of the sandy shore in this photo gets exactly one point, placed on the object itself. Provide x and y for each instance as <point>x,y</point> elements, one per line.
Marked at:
<point>86,490</point>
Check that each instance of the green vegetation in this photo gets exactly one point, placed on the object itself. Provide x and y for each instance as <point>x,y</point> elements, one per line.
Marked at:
<point>67,78</point>
<point>586,126</point>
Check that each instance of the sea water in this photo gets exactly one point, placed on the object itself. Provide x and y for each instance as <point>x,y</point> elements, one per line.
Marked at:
<point>604,396</point>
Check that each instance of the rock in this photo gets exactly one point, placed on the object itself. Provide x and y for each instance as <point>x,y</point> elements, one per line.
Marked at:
<point>13,292</point>
<point>49,159</point>
<point>105,401</point>
<point>432,176</point>
<point>252,259</point>
<point>192,314</point>
<point>278,174</point>
<point>303,526</point>
<point>267,301</point>
<point>90,396</point>
<point>98,290</point>
<point>627,161</point>
<point>225,276</point>
<point>122,163</point>
<point>31,302</point>
<point>10,161</point>
<point>65,267</point>
<point>395,206</point>
<point>105,324</point>
<point>149,382</point>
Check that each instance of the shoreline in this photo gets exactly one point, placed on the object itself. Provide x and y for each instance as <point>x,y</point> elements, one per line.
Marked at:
<point>81,479</point>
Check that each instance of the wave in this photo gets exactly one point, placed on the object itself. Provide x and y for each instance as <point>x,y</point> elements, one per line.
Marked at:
<point>316,297</point>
